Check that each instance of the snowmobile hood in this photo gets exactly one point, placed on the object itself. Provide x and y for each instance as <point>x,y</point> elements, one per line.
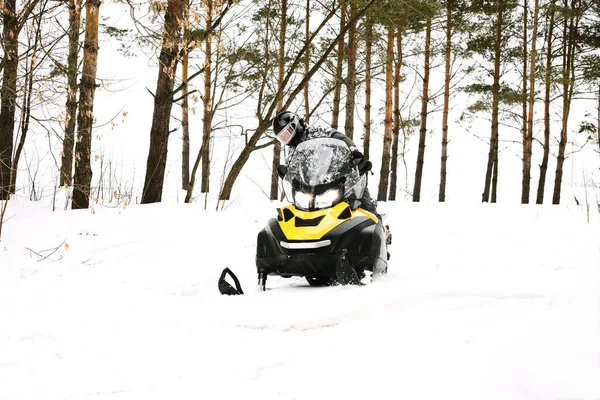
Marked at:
<point>297,224</point>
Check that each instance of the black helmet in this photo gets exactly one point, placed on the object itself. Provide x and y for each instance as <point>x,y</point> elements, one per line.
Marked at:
<point>288,125</point>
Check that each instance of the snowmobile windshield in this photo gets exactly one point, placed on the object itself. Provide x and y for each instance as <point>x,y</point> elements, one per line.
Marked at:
<point>321,173</point>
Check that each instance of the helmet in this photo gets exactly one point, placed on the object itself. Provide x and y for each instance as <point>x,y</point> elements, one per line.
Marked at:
<point>288,125</point>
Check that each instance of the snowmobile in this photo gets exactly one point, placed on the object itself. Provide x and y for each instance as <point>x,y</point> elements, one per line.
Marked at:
<point>323,234</point>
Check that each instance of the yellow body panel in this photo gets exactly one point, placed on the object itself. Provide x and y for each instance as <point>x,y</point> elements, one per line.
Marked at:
<point>330,220</point>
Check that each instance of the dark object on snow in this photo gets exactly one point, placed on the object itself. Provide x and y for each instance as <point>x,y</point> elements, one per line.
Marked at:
<point>225,287</point>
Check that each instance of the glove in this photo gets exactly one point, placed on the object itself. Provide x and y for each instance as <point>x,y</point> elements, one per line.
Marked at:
<point>363,165</point>
<point>282,170</point>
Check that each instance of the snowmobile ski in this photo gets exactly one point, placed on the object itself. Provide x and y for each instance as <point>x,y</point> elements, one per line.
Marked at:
<point>225,287</point>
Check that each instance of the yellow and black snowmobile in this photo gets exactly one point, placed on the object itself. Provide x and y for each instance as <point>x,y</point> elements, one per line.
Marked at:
<point>323,234</point>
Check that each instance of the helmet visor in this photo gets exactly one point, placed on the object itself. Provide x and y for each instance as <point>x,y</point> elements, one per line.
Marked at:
<point>287,133</point>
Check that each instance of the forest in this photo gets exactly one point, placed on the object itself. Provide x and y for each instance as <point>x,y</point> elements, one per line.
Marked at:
<point>521,77</point>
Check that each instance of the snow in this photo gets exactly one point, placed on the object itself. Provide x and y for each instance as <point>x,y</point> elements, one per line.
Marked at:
<point>481,301</point>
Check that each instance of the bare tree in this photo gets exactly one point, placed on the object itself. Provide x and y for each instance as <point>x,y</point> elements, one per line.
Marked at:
<point>424,112</point>
<point>387,136</point>
<point>397,117</point>
<point>351,77</point>
<point>85,118</point>
<point>337,91</point>
<point>279,96</point>
<point>529,137</point>
<point>66,169</point>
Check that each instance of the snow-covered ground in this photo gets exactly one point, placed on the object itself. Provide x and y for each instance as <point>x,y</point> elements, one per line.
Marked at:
<point>481,302</point>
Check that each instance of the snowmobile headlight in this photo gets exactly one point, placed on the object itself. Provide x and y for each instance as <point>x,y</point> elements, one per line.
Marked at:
<point>328,198</point>
<point>303,200</point>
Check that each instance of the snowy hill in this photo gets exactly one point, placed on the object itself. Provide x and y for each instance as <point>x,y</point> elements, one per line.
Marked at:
<point>481,302</point>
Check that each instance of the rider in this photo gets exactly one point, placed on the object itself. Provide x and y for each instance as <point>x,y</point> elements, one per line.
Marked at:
<point>291,130</point>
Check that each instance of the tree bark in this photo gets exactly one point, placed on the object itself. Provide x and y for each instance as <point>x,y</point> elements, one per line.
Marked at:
<point>163,101</point>
<point>524,195</point>
<point>185,121</point>
<point>307,60</point>
<point>568,75</point>
<point>30,67</point>
<point>85,119</point>
<point>368,52</point>
<point>66,169</point>
<point>8,96</point>
<point>529,136</point>
<point>351,77</point>
<point>546,146</point>
<point>445,112</point>
<point>424,104</point>
<point>207,101</point>
<point>493,153</point>
<point>337,91</point>
<point>280,73</point>
<point>396,128</point>
<point>387,135</point>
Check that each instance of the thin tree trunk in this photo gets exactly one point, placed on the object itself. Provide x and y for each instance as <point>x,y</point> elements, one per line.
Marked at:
<point>396,128</point>
<point>307,60</point>
<point>544,165</point>
<point>568,85</point>
<point>423,128</point>
<point>85,119</point>
<point>493,153</point>
<point>185,121</point>
<point>66,169</point>
<point>8,96</point>
<point>337,91</point>
<point>524,195</point>
<point>207,102</point>
<point>447,75</point>
<point>163,101</point>
<point>529,137</point>
<point>368,51</point>
<point>387,136</point>
<point>280,73</point>
<point>26,104</point>
<point>598,125</point>
<point>351,77</point>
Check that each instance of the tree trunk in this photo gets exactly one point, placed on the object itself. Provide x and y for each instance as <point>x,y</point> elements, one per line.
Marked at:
<point>368,51</point>
<point>27,92</point>
<point>351,77</point>
<point>307,60</point>
<point>85,119</point>
<point>337,91</point>
<point>568,72</point>
<point>66,168</point>
<point>529,137</point>
<point>544,165</point>
<point>387,136</point>
<point>280,73</point>
<point>207,101</point>
<point>445,112</point>
<point>163,101</point>
<point>423,128</point>
<point>396,128</point>
<point>185,122</point>
<point>8,95</point>
<point>493,153</point>
<point>524,195</point>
